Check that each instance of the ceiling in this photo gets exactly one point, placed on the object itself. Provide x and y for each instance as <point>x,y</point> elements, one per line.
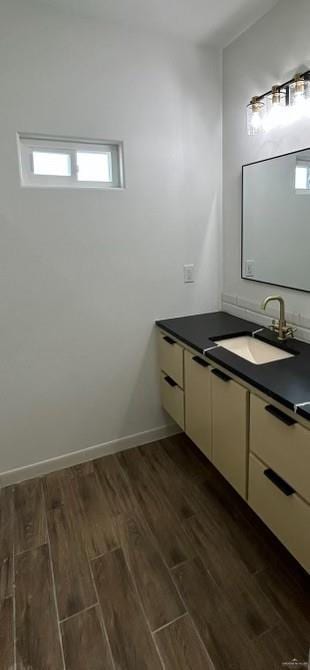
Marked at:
<point>214,21</point>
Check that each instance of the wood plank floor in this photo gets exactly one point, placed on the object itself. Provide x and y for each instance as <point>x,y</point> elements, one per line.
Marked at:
<point>145,560</point>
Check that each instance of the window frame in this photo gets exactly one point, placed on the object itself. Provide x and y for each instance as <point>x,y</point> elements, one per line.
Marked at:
<point>28,143</point>
<point>305,164</point>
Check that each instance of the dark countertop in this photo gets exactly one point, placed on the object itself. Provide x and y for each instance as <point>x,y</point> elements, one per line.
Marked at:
<point>287,381</point>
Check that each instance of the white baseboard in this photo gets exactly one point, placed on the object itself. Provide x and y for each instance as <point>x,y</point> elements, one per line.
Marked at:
<point>83,455</point>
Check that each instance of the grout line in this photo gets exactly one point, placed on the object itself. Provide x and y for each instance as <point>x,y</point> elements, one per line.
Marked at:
<point>95,558</point>
<point>34,548</point>
<point>53,582</point>
<point>139,602</point>
<point>193,623</point>
<point>156,547</point>
<point>86,609</point>
<point>165,625</point>
<point>179,565</point>
<point>103,626</point>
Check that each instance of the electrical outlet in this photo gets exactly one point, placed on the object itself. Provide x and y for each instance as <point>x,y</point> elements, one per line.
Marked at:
<point>189,274</point>
<point>250,268</point>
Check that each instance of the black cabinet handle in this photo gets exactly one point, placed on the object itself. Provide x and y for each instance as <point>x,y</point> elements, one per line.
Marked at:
<point>221,375</point>
<point>279,482</point>
<point>280,415</point>
<point>169,340</point>
<point>170,381</point>
<point>200,361</point>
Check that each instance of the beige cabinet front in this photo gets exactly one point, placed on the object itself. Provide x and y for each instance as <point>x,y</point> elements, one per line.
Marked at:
<point>171,358</point>
<point>280,442</point>
<point>281,508</point>
<point>172,399</point>
<point>230,405</point>
<point>198,402</point>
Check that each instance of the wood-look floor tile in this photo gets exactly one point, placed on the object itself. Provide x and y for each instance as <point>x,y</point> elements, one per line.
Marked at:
<point>6,541</point>
<point>82,469</point>
<point>53,484</point>
<point>279,647</point>
<point>227,512</point>
<point>250,606</point>
<point>159,597</point>
<point>115,485</point>
<point>30,521</point>
<point>167,476</point>
<point>85,643</point>
<point>223,636</point>
<point>73,580</point>
<point>289,599</point>
<point>98,526</point>
<point>6,634</point>
<point>181,648</point>
<point>144,499</point>
<point>131,643</point>
<point>37,634</point>
<point>164,524</point>
<point>186,456</point>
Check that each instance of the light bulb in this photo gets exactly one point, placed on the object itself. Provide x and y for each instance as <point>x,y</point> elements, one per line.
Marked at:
<point>275,108</point>
<point>255,113</point>
<point>299,97</point>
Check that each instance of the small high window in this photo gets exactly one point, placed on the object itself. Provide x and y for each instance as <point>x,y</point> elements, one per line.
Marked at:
<point>302,176</point>
<point>66,162</point>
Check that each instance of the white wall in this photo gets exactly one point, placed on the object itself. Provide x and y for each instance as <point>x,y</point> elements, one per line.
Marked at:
<point>83,275</point>
<point>271,51</point>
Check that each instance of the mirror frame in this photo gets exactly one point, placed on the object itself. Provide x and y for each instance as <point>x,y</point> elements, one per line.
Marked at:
<point>260,281</point>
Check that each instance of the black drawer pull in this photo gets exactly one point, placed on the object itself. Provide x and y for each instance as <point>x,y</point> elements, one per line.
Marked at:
<point>198,360</point>
<point>168,340</point>
<point>279,482</point>
<point>170,381</point>
<point>221,375</point>
<point>280,415</point>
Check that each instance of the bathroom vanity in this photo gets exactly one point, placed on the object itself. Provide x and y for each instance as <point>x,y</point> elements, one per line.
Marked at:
<point>250,418</point>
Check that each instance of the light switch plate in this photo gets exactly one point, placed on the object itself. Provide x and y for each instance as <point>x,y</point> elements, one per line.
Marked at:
<point>189,274</point>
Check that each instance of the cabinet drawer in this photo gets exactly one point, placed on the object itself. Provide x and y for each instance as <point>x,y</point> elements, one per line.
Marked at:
<point>172,398</point>
<point>230,430</point>
<point>288,516</point>
<point>198,401</point>
<point>285,447</point>
<point>171,358</point>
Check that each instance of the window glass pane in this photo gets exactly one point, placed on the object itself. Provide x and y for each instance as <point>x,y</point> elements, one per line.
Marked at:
<point>94,166</point>
<point>301,177</point>
<point>51,164</point>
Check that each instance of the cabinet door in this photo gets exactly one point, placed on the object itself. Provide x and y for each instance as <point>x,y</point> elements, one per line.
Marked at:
<point>171,358</point>
<point>230,406</point>
<point>280,442</point>
<point>198,402</point>
<point>172,399</point>
<point>286,514</point>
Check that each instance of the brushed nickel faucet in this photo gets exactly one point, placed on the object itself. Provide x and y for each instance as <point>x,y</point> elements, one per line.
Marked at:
<point>279,326</point>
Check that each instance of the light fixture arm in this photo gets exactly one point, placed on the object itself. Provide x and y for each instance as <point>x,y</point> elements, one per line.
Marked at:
<point>304,75</point>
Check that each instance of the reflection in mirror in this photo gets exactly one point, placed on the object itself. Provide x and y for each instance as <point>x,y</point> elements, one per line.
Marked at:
<point>276,221</point>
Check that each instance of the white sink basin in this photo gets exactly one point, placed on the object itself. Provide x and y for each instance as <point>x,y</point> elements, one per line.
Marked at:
<point>253,350</point>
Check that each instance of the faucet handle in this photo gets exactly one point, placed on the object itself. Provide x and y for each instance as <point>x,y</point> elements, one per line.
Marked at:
<point>274,325</point>
<point>290,331</point>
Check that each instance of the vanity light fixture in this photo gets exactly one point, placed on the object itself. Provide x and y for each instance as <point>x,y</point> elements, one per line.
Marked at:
<point>255,116</point>
<point>275,108</point>
<point>282,105</point>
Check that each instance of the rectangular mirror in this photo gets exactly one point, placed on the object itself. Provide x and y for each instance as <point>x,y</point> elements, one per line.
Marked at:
<point>276,221</point>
